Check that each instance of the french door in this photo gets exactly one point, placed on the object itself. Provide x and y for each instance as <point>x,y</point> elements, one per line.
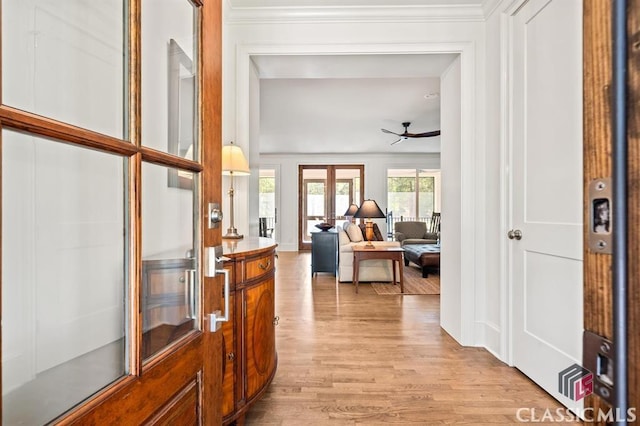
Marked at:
<point>325,194</point>
<point>106,167</point>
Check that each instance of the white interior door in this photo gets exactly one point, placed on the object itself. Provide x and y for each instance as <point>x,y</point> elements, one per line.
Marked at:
<point>546,190</point>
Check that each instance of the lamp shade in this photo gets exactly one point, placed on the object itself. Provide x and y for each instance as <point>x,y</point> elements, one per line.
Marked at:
<point>369,210</point>
<point>233,161</point>
<point>351,210</point>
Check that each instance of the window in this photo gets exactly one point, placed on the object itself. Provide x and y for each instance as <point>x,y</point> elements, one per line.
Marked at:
<point>267,202</point>
<point>413,194</point>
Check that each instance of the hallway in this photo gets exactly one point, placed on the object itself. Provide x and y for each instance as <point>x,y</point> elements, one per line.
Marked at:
<point>365,359</point>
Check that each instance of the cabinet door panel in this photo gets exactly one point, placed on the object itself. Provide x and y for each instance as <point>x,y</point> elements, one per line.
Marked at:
<point>181,409</point>
<point>260,339</point>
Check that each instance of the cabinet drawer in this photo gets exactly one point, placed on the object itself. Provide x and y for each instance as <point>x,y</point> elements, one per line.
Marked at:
<point>259,266</point>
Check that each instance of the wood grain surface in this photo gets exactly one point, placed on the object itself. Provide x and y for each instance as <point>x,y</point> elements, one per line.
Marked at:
<point>598,164</point>
<point>363,359</point>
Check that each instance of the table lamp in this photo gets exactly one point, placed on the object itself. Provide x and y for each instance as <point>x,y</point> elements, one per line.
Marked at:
<point>348,215</point>
<point>367,211</point>
<point>233,164</point>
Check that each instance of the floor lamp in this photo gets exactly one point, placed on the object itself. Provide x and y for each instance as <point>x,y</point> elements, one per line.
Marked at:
<point>233,164</point>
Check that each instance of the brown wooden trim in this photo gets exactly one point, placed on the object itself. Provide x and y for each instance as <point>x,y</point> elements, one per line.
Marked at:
<point>134,187</point>
<point>169,160</point>
<point>32,123</point>
<point>134,73</point>
<point>210,93</point>
<point>119,407</point>
<point>597,159</point>
<point>597,164</point>
<point>135,265</point>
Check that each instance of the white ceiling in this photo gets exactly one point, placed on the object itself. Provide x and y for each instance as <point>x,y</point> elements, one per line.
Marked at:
<point>339,103</point>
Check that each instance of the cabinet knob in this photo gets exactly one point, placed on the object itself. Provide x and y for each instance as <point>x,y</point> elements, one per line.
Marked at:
<point>231,356</point>
<point>263,266</point>
<point>276,320</point>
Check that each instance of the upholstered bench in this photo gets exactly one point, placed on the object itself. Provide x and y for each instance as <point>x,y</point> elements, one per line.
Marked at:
<point>427,256</point>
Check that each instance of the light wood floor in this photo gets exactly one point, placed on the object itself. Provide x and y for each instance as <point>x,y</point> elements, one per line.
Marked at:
<point>347,359</point>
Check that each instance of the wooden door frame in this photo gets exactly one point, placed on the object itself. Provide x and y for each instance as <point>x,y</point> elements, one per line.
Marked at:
<point>330,212</point>
<point>598,76</point>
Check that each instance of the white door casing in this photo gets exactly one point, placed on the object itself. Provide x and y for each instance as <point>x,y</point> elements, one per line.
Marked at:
<point>546,190</point>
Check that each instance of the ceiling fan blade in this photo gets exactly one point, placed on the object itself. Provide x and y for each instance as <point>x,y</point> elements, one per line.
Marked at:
<point>423,135</point>
<point>399,140</point>
<point>389,131</point>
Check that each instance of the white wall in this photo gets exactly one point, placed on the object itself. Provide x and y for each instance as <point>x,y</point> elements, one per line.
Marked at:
<point>489,307</point>
<point>452,236</point>
<point>375,176</point>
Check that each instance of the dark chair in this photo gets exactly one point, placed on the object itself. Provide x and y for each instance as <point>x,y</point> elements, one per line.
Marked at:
<point>434,225</point>
<point>263,228</point>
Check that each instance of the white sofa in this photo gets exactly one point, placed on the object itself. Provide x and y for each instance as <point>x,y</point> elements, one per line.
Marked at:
<point>370,270</point>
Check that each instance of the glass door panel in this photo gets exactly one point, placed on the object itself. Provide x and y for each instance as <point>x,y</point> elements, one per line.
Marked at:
<point>267,210</point>
<point>64,242</point>
<point>347,191</point>
<point>169,287</point>
<point>314,200</point>
<point>326,193</point>
<point>169,43</point>
<point>66,60</point>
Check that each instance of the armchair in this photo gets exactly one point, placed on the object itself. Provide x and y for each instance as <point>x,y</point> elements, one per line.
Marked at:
<point>413,232</point>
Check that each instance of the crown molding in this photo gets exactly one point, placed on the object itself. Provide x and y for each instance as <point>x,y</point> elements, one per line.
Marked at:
<point>489,7</point>
<point>316,14</point>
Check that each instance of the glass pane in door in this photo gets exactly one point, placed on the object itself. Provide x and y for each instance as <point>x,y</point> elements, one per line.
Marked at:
<point>54,52</point>
<point>64,245</point>
<point>169,286</point>
<point>347,191</point>
<point>314,200</point>
<point>267,202</point>
<point>169,79</point>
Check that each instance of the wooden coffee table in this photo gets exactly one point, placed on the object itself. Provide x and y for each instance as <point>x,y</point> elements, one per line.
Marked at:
<point>391,253</point>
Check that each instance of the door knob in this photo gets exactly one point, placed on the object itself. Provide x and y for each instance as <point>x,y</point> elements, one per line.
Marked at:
<point>515,234</point>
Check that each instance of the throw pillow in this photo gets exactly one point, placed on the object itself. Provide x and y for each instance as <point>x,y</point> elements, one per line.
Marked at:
<point>355,234</point>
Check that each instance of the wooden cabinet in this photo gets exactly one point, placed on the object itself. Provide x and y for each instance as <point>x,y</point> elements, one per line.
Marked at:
<point>249,340</point>
<point>324,252</point>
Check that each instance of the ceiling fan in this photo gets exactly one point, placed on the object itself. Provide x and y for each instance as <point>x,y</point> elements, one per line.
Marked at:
<point>407,135</point>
